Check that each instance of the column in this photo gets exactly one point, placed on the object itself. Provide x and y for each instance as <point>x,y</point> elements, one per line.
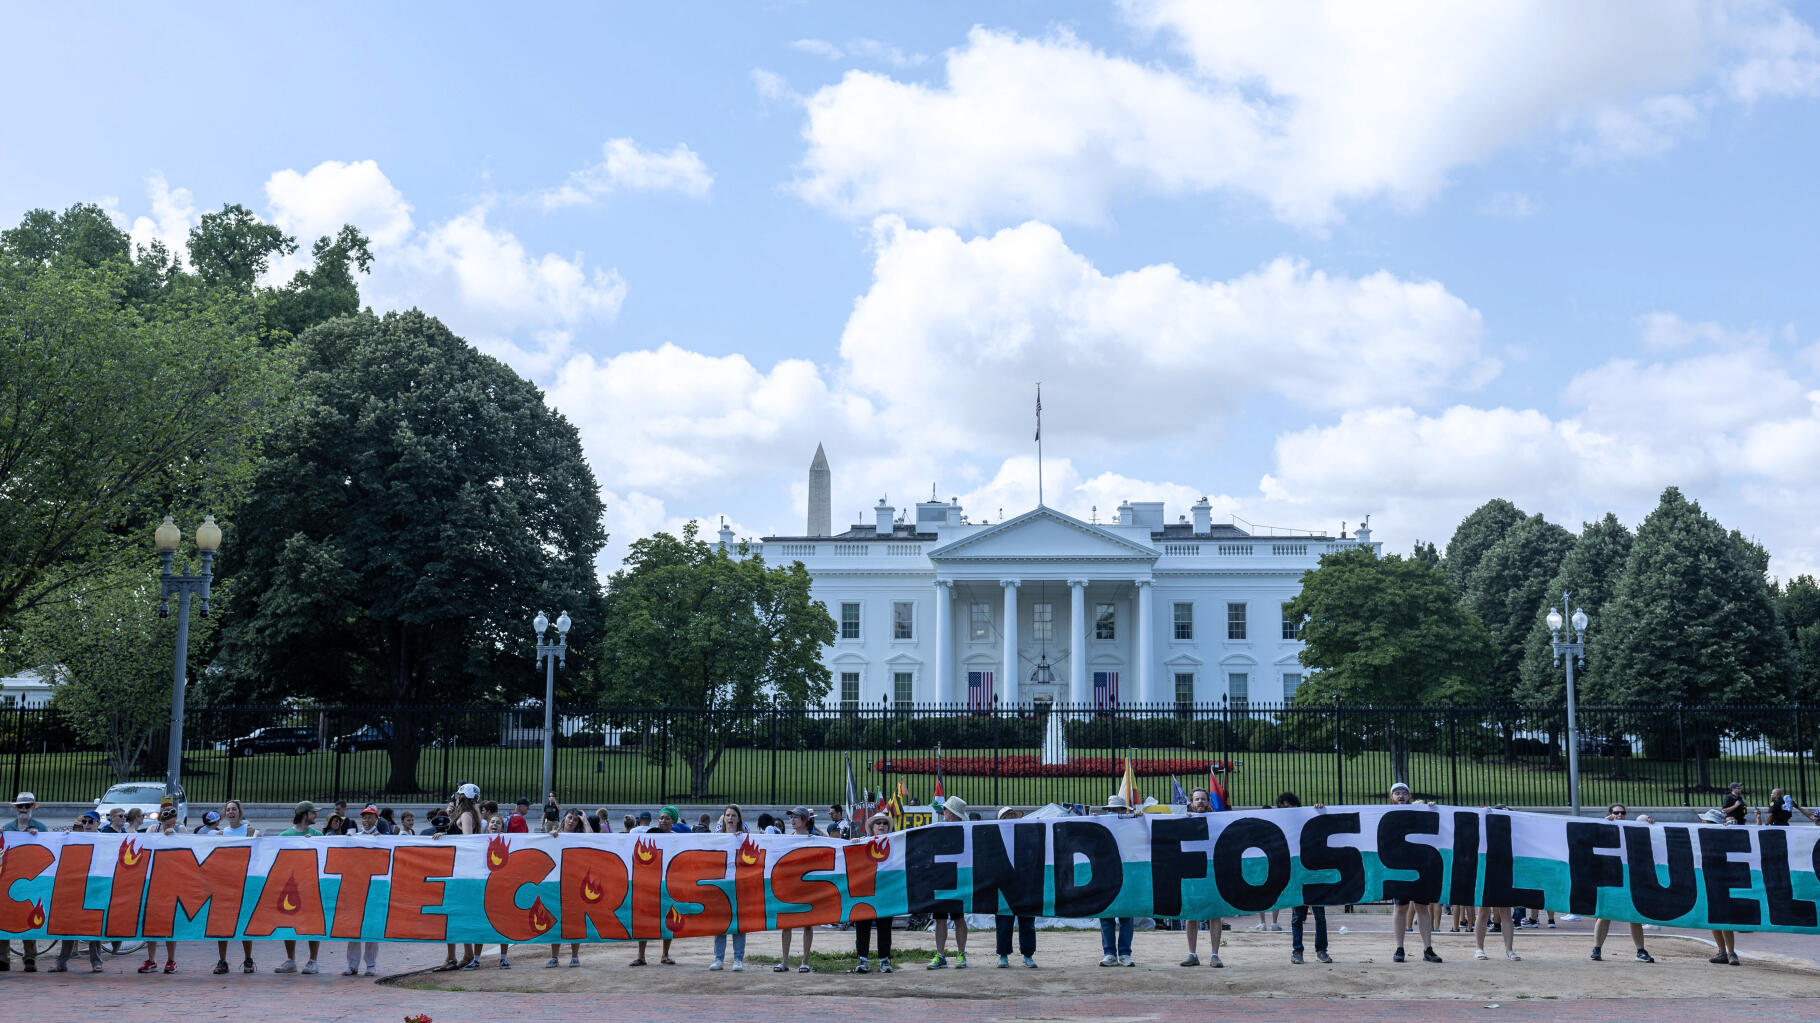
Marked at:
<point>943,686</point>
<point>1008,677</point>
<point>1077,641</point>
<point>1143,643</point>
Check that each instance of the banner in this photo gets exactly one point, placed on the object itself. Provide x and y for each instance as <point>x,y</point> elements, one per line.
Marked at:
<point>523,888</point>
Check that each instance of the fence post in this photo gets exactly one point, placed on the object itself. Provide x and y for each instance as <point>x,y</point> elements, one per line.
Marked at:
<point>663,764</point>
<point>448,747</point>
<point>19,751</point>
<point>1339,755</point>
<point>232,755</point>
<point>335,784</point>
<point>1800,756</point>
<point>774,712</point>
<point>995,747</point>
<point>1681,748</point>
<point>1453,749</point>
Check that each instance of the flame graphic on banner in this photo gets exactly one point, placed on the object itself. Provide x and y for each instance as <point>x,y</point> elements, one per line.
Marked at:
<point>497,851</point>
<point>37,915</point>
<point>879,848</point>
<point>130,854</point>
<point>540,918</point>
<point>749,852</point>
<point>590,888</point>
<point>674,920</point>
<point>290,899</point>
<point>645,851</point>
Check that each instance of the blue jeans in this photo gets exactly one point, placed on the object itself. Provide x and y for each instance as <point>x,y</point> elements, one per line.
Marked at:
<point>1320,928</point>
<point>1125,925</point>
<point>739,946</point>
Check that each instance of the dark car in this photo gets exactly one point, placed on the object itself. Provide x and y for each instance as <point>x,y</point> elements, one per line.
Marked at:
<point>364,738</point>
<point>276,739</point>
<point>1592,744</point>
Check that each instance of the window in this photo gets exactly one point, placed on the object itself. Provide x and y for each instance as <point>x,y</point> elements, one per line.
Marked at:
<point>1184,621</point>
<point>903,620</point>
<point>849,690</point>
<point>1235,621</point>
<point>982,621</point>
<point>849,621</point>
<point>1184,693</point>
<point>903,688</point>
<point>1105,622</point>
<point>1042,622</point>
<point>1291,682</point>
<point>1292,627</point>
<point>1238,689</point>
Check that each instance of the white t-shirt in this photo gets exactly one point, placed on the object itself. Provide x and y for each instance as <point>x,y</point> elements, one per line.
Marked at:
<point>245,830</point>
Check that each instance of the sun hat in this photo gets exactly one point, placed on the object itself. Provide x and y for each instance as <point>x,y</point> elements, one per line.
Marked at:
<point>369,808</point>
<point>956,806</point>
<point>1117,802</point>
<point>305,807</point>
<point>881,816</point>
<point>1006,811</point>
<point>25,799</point>
<point>1713,817</point>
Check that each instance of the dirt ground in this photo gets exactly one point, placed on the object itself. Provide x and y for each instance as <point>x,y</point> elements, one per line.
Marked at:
<point>1554,966</point>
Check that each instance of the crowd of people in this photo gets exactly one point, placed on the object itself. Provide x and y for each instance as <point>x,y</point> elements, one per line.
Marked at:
<point>466,813</point>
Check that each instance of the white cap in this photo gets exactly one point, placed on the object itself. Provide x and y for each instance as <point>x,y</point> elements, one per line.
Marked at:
<point>468,789</point>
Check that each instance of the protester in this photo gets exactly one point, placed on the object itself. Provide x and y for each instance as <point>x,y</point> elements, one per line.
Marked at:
<point>838,825</point>
<point>1602,926</point>
<point>628,824</point>
<point>1399,796</point>
<point>669,820</point>
<point>1300,916</point>
<point>89,822</point>
<point>732,822</point>
<point>1026,925</point>
<point>603,821</point>
<point>167,825</point>
<point>211,824</point>
<point>573,823</point>
<point>23,805</point>
<point>802,825</point>
<point>1201,801</point>
<point>303,815</point>
<point>879,826</point>
<point>135,820</point>
<point>954,809</point>
<point>465,820</point>
<point>518,824</point>
<point>1115,932</point>
<point>407,823</point>
<point>234,825</point>
<point>767,825</point>
<point>703,823</point>
<point>116,822</point>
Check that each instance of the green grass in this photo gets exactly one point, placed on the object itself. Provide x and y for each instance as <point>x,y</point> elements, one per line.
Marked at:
<point>817,777</point>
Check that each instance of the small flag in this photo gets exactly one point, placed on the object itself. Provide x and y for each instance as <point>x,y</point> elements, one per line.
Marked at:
<point>1039,411</point>
<point>938,794</point>
<point>852,799</point>
<point>1215,794</point>
<point>1128,786</point>
<point>1178,797</point>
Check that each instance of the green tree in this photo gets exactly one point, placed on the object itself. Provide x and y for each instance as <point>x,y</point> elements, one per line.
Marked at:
<point>230,248</point>
<point>693,626</point>
<point>1426,553</point>
<point>1798,608</point>
<point>1692,623</point>
<point>328,288</point>
<point>1505,590</point>
<point>412,517</point>
<point>1388,632</point>
<point>1475,535</point>
<point>1590,572</point>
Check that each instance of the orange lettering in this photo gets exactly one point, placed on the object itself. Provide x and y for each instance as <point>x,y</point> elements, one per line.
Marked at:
<point>69,912</point>
<point>21,863</point>
<point>862,880</point>
<point>179,880</point>
<point>413,892</point>
<point>357,866</point>
<point>594,884</point>
<point>688,871</point>
<point>291,897</point>
<point>521,867</point>
<point>822,897</point>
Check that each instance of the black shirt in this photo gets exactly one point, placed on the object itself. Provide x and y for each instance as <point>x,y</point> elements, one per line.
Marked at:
<point>1733,806</point>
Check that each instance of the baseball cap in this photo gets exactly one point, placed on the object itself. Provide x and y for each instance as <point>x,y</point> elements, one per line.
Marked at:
<point>211,817</point>
<point>644,815</point>
<point>305,807</point>
<point>802,811</point>
<point>369,808</point>
<point>522,801</point>
<point>468,789</point>
<point>91,815</point>
<point>1398,785</point>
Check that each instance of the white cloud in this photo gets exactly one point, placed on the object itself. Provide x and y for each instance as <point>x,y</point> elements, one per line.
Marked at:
<point>502,287</point>
<point>1665,330</point>
<point>627,168</point>
<point>1510,206</point>
<point>773,89</point>
<point>173,214</point>
<point>1303,106</point>
<point>332,193</point>
<point>861,49</point>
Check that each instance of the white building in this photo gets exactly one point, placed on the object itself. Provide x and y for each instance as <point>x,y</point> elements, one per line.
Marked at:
<point>1044,607</point>
<point>30,688</point>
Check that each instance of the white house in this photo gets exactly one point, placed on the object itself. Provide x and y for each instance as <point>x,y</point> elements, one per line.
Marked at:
<point>29,688</point>
<point>1044,607</point>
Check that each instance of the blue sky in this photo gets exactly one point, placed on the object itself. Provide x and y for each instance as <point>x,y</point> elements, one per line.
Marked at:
<point>1312,260</point>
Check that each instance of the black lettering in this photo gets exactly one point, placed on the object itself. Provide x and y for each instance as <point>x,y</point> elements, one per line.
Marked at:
<point>994,875</point>
<point>924,876</point>
<point>1169,865</point>
<point>1652,898</point>
<point>1778,884</point>
<point>1397,852</point>
<point>1105,871</point>
<point>1229,863</point>
<point>1500,867</point>
<point>1464,887</point>
<point>1588,869</point>
<point>1347,861</point>
<point>1722,875</point>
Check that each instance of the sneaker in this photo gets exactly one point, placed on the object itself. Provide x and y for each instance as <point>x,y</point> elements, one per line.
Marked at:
<point>170,966</point>
<point>938,962</point>
<point>576,961</point>
<point>863,966</point>
<point>960,960</point>
<point>1596,957</point>
<point>713,967</point>
<point>221,966</point>
<point>1716,957</point>
<point>1276,927</point>
<point>246,966</point>
<point>1030,962</point>
<point>1004,962</point>
<point>1512,956</point>
<point>472,964</point>
<point>739,965</point>
<point>1295,958</point>
<point>504,963</point>
<point>1213,960</point>
<point>371,971</point>
<point>552,964</point>
<point>352,971</point>
<point>1191,960</point>
<point>288,966</point>
<point>884,966</point>
<point>310,967</point>
<point>1732,959</point>
<point>1398,957</point>
<point>1126,961</point>
<point>1258,927</point>
<point>1551,925</point>
<point>151,966</point>
<point>1479,953</point>
<point>1109,960</point>
<point>1322,956</point>
<point>1643,956</point>
<point>1428,956</point>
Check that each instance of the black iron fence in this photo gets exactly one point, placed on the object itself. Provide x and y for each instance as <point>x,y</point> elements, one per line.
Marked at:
<point>1646,756</point>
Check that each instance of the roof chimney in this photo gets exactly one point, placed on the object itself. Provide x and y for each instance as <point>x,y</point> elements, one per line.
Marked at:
<point>726,534</point>
<point>884,512</point>
<point>1203,516</point>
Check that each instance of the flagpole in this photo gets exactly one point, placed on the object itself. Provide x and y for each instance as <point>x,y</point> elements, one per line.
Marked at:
<point>1039,443</point>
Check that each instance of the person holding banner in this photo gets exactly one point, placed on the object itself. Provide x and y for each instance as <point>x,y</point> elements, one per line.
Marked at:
<point>1026,925</point>
<point>234,825</point>
<point>1399,917</point>
<point>1201,801</point>
<point>879,825</point>
<point>1115,932</point>
<point>802,825</point>
<point>1284,802</point>
<point>1601,926</point>
<point>732,822</point>
<point>954,808</point>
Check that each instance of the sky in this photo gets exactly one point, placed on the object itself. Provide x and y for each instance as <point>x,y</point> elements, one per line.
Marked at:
<point>1315,261</point>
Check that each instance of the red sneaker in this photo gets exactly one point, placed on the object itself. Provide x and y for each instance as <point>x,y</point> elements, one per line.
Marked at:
<point>170,966</point>
<point>151,966</point>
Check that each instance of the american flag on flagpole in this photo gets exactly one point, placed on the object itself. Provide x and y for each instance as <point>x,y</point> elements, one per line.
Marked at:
<point>1039,412</point>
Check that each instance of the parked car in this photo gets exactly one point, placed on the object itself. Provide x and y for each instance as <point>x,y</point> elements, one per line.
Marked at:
<point>295,741</point>
<point>148,796</point>
<point>1593,744</point>
<point>364,738</point>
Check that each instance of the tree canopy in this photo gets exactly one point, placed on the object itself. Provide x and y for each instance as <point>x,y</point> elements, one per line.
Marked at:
<point>1590,572</point>
<point>1474,536</point>
<point>1509,587</point>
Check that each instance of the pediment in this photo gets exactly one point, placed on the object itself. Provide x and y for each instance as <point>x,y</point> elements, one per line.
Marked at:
<point>1046,534</point>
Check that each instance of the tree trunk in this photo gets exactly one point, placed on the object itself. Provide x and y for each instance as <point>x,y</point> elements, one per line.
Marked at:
<point>1399,758</point>
<point>403,751</point>
<point>1703,775</point>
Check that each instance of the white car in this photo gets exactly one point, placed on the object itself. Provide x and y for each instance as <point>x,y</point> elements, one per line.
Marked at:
<point>148,796</point>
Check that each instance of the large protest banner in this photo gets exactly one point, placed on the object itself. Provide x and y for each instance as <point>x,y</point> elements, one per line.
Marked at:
<point>519,888</point>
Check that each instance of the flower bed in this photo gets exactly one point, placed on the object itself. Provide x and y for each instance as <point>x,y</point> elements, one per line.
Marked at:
<point>1026,766</point>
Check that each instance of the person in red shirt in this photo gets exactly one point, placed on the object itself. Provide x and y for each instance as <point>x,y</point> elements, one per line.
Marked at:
<point>516,824</point>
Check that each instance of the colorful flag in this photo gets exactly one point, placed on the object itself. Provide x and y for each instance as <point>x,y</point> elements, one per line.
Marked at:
<point>1179,797</point>
<point>1215,794</point>
<point>1128,786</point>
<point>1039,412</point>
<point>852,801</point>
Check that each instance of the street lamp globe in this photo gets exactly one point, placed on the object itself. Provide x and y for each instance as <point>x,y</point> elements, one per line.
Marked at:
<point>1579,619</point>
<point>168,536</point>
<point>1554,619</point>
<point>208,535</point>
<point>541,623</point>
<point>562,623</point>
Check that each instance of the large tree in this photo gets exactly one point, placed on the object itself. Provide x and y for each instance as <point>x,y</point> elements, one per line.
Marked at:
<point>716,634</point>
<point>1388,632</point>
<point>1798,608</point>
<point>1692,623</point>
<point>1505,590</point>
<point>1590,572</point>
<point>422,505</point>
<point>1475,535</point>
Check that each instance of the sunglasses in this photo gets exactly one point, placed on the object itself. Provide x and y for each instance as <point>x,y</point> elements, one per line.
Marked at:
<point>1619,812</point>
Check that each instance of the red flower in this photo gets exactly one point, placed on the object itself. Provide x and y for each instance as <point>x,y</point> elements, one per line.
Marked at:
<point>1027,766</point>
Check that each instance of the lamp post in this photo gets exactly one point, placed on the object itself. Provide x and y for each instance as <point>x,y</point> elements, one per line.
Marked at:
<point>550,654</point>
<point>1572,650</point>
<point>166,539</point>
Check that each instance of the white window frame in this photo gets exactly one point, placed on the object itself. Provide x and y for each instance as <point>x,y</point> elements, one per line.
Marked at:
<point>1042,622</point>
<point>1242,622</point>
<point>907,624</point>
<point>1176,622</point>
<point>979,621</point>
<point>1111,633</point>
<point>859,621</point>
<point>1238,689</point>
